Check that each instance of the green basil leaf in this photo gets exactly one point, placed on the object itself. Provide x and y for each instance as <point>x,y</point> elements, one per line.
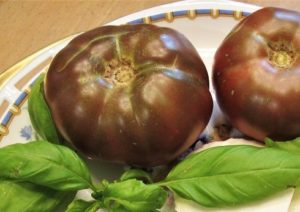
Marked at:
<point>233,175</point>
<point>134,196</point>
<point>39,113</point>
<point>291,146</point>
<point>80,205</point>
<point>94,207</point>
<point>45,164</point>
<point>136,174</point>
<point>25,196</point>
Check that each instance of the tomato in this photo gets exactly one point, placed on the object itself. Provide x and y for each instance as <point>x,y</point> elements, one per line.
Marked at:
<point>134,94</point>
<point>256,74</point>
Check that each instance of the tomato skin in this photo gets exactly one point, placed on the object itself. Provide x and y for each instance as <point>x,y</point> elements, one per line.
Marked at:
<point>134,94</point>
<point>256,75</point>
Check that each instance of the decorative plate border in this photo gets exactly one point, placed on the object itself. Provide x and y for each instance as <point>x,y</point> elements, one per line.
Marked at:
<point>15,108</point>
<point>191,14</point>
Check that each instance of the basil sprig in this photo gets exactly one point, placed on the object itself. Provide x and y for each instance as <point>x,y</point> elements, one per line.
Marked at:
<point>40,115</point>
<point>48,176</point>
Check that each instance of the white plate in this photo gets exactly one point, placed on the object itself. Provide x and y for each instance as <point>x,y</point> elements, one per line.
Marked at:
<point>204,23</point>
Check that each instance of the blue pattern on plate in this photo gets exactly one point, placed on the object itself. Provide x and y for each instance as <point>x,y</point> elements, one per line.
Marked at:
<point>26,132</point>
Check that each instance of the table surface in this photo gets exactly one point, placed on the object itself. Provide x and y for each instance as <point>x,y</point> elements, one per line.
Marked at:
<point>29,25</point>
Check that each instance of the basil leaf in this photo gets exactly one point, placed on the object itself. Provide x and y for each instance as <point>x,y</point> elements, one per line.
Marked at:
<point>45,164</point>
<point>291,146</point>
<point>136,174</point>
<point>134,196</point>
<point>94,207</point>
<point>40,115</point>
<point>29,197</point>
<point>232,175</point>
<point>80,205</point>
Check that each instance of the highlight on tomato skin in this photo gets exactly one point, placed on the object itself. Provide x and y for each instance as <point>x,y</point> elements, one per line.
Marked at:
<point>134,94</point>
<point>256,74</point>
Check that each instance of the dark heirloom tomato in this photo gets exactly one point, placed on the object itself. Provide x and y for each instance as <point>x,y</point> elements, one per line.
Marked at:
<point>131,94</point>
<point>256,74</point>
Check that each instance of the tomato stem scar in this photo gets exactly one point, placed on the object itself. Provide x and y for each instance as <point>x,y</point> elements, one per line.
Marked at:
<point>281,54</point>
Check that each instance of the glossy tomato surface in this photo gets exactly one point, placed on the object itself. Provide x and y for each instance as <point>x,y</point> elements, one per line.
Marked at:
<point>135,94</point>
<point>256,74</point>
